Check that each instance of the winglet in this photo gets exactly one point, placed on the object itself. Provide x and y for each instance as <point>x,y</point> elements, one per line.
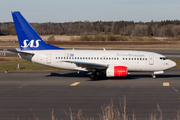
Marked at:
<point>28,37</point>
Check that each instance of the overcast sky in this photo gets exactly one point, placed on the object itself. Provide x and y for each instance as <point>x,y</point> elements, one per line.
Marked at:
<point>91,10</point>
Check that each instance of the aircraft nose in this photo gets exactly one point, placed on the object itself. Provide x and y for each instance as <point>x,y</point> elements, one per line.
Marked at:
<point>172,64</point>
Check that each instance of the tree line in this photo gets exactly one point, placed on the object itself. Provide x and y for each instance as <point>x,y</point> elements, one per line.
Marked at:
<point>167,28</point>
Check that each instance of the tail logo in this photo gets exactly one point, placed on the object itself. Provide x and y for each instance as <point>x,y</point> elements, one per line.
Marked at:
<point>30,44</point>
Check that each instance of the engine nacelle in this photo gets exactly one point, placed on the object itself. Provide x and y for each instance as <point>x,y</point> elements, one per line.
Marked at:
<point>116,71</point>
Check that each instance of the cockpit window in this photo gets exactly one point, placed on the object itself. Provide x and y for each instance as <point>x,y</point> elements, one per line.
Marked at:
<point>163,58</point>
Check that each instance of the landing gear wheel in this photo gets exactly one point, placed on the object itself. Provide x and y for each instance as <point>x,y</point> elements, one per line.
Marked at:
<point>154,76</point>
<point>93,76</point>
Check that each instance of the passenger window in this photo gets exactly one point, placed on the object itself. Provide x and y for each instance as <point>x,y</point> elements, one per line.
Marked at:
<point>94,58</point>
<point>137,58</point>
<point>117,58</point>
<point>80,57</point>
<point>123,58</point>
<point>129,58</point>
<point>140,58</point>
<point>61,57</point>
<point>69,57</point>
<point>134,58</point>
<point>109,58</point>
<point>97,58</point>
<point>77,57</point>
<point>101,58</point>
<point>106,58</point>
<point>91,58</point>
<point>126,58</point>
<point>114,58</point>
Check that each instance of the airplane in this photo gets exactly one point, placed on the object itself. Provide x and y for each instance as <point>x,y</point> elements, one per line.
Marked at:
<point>113,63</point>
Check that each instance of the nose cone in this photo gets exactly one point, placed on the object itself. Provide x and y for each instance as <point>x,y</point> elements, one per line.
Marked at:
<point>172,64</point>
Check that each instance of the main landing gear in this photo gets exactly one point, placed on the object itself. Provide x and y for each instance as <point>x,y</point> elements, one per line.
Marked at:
<point>94,75</point>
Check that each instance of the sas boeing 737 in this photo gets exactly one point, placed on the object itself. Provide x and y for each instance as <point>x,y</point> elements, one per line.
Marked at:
<point>113,63</point>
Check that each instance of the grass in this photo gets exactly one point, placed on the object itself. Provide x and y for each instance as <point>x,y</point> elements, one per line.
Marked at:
<point>91,38</point>
<point>11,41</point>
<point>118,38</point>
<point>6,63</point>
<point>110,112</point>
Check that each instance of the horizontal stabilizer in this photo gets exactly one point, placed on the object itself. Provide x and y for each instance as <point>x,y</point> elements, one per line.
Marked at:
<point>19,51</point>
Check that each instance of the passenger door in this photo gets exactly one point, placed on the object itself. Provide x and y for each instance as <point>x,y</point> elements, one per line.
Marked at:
<point>48,58</point>
<point>151,60</point>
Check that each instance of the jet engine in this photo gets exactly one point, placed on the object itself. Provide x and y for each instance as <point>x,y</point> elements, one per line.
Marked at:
<point>116,71</point>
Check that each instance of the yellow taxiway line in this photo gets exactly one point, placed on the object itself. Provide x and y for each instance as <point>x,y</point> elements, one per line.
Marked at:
<point>166,84</point>
<point>75,84</point>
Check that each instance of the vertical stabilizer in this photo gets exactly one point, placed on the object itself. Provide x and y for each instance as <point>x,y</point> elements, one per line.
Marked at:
<point>27,36</point>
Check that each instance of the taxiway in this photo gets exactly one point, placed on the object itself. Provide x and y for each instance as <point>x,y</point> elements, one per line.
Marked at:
<point>23,94</point>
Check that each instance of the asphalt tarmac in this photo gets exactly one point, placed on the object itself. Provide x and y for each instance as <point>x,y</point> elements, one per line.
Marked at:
<point>26,95</point>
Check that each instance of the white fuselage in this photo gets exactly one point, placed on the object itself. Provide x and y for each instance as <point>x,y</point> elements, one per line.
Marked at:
<point>133,60</point>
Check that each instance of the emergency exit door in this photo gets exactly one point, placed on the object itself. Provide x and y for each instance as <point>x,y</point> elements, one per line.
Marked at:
<point>151,60</point>
<point>48,58</point>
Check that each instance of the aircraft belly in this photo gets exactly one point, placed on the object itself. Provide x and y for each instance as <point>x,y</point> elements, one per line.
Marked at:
<point>137,66</point>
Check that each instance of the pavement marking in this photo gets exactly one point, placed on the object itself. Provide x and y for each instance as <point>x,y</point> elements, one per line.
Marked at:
<point>75,84</point>
<point>166,84</point>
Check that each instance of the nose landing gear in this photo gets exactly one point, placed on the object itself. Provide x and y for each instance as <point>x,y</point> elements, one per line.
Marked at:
<point>153,76</point>
<point>156,72</point>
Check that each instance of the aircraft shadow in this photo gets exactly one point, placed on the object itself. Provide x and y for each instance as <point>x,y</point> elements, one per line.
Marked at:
<point>72,74</point>
<point>103,77</point>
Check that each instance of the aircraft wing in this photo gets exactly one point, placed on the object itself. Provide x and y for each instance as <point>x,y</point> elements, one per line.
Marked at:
<point>90,66</point>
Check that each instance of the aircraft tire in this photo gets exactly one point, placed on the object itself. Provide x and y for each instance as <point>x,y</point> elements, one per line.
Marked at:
<point>153,76</point>
<point>93,76</point>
